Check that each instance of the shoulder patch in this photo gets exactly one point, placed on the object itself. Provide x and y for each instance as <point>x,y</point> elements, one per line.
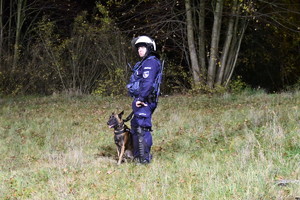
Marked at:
<point>146,74</point>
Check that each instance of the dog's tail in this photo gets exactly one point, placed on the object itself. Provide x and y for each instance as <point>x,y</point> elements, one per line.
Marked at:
<point>129,117</point>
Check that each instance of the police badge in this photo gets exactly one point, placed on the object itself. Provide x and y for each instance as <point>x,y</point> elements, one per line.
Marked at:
<point>145,74</point>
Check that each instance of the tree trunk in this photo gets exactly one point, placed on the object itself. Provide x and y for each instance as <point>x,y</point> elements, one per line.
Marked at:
<point>233,47</point>
<point>1,28</point>
<point>202,57</point>
<point>227,44</point>
<point>18,32</point>
<point>214,44</point>
<point>236,53</point>
<point>9,40</point>
<point>191,42</point>
<point>240,26</point>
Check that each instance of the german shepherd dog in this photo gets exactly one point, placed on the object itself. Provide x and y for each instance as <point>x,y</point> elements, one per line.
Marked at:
<point>122,136</point>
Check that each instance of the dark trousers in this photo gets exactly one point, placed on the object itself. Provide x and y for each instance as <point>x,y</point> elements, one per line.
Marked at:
<point>143,119</point>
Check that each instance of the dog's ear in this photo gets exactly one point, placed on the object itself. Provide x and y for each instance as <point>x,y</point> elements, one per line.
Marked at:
<point>121,114</point>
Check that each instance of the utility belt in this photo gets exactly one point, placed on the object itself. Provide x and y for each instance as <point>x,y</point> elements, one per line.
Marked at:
<point>148,129</point>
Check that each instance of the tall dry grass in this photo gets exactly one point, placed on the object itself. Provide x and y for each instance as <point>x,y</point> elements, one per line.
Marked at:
<point>205,147</point>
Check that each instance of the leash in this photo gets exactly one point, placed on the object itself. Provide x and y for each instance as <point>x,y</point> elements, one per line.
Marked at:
<point>129,117</point>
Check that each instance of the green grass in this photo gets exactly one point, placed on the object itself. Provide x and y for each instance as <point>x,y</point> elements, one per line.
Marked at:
<point>205,147</point>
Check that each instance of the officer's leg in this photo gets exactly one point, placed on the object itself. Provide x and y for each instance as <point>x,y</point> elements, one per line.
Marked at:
<point>135,139</point>
<point>142,138</point>
<point>144,144</point>
<point>147,144</point>
<point>141,144</point>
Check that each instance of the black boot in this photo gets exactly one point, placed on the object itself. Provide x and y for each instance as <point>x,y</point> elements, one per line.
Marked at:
<point>141,158</point>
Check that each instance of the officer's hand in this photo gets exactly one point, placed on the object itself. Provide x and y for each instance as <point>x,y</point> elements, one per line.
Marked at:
<point>140,103</point>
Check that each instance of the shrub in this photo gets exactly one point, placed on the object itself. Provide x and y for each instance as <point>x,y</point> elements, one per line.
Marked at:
<point>112,87</point>
<point>237,85</point>
<point>176,79</point>
<point>90,56</point>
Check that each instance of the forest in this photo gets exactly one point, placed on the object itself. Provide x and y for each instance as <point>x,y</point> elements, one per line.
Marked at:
<point>227,125</point>
<point>83,47</point>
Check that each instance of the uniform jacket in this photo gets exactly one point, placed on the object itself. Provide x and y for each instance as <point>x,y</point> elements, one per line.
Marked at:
<point>146,72</point>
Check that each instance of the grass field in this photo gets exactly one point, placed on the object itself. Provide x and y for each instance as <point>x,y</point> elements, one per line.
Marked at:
<point>205,147</point>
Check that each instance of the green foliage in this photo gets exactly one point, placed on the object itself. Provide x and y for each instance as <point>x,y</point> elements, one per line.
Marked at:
<point>79,54</point>
<point>175,78</point>
<point>105,19</point>
<point>76,64</point>
<point>114,86</point>
<point>237,85</point>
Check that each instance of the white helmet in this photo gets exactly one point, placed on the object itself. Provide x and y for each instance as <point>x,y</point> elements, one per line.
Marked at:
<point>144,40</point>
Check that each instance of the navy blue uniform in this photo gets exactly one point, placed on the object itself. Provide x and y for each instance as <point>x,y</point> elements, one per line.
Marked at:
<point>146,73</point>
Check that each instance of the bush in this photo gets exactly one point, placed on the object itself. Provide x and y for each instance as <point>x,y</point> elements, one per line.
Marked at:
<point>237,85</point>
<point>114,86</point>
<point>176,78</point>
<point>294,87</point>
<point>90,58</point>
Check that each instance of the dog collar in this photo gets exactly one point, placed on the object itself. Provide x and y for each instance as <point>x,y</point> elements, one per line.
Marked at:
<point>118,132</point>
<point>124,129</point>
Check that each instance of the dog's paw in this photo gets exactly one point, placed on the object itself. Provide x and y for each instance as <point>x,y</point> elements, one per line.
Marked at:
<point>128,154</point>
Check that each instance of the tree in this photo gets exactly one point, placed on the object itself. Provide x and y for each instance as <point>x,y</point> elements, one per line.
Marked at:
<point>1,26</point>
<point>92,58</point>
<point>20,18</point>
<point>191,44</point>
<point>185,25</point>
<point>200,40</point>
<point>214,48</point>
<point>224,46</point>
<point>13,15</point>
<point>206,36</point>
<point>270,55</point>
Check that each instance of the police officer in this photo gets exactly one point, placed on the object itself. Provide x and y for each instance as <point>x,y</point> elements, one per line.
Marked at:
<point>145,100</point>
